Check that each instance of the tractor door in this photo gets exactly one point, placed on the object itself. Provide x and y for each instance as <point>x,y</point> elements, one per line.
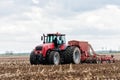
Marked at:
<point>61,42</point>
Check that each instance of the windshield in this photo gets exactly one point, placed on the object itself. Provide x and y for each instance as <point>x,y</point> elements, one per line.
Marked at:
<point>50,39</point>
<point>60,39</point>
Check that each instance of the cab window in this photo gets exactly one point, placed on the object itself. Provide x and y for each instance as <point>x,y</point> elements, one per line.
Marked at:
<point>50,39</point>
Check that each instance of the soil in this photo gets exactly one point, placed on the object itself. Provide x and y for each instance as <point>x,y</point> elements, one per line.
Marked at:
<point>19,68</point>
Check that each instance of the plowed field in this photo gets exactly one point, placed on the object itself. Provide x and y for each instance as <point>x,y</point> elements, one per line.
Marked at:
<point>19,68</point>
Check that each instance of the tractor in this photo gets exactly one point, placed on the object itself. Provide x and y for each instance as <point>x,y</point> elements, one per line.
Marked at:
<point>55,51</point>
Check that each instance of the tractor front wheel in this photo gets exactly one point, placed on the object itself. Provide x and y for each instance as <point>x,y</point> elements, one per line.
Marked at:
<point>54,58</point>
<point>35,59</point>
<point>32,58</point>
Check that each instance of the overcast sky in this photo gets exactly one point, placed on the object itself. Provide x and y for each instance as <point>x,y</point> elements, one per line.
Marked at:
<point>22,22</point>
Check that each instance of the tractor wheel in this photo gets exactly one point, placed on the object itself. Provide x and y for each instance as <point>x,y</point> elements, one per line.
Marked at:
<point>35,59</point>
<point>54,58</point>
<point>76,55</point>
<point>72,55</point>
<point>67,56</point>
<point>32,58</point>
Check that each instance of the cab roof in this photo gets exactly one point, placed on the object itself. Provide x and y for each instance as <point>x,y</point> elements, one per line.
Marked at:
<point>56,34</point>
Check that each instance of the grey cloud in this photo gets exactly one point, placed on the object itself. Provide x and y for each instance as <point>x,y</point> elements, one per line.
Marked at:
<point>83,5</point>
<point>69,7</point>
<point>14,7</point>
<point>92,31</point>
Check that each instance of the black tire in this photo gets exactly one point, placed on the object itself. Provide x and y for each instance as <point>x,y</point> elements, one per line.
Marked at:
<point>32,58</point>
<point>35,59</point>
<point>54,58</point>
<point>67,56</point>
<point>72,55</point>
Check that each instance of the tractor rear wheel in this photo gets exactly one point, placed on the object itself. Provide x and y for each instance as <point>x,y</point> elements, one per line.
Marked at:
<point>67,56</point>
<point>72,54</point>
<point>35,59</point>
<point>54,58</point>
<point>76,55</point>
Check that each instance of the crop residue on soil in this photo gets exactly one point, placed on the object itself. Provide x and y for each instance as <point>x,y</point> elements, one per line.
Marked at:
<point>20,69</point>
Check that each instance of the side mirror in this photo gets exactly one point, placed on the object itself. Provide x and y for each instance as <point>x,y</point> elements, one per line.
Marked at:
<point>41,38</point>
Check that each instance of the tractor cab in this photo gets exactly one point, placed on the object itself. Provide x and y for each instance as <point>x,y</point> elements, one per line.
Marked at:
<point>57,39</point>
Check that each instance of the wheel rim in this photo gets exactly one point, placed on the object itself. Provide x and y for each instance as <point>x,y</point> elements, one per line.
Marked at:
<point>76,57</point>
<point>56,59</point>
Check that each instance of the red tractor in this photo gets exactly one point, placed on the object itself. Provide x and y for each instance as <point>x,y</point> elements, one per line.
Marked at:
<point>55,51</point>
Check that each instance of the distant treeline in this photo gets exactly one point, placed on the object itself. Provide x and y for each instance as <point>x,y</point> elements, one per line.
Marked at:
<point>27,54</point>
<point>15,54</point>
<point>110,51</point>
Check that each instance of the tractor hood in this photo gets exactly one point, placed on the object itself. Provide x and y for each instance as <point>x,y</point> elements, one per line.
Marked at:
<point>43,48</point>
<point>46,45</point>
